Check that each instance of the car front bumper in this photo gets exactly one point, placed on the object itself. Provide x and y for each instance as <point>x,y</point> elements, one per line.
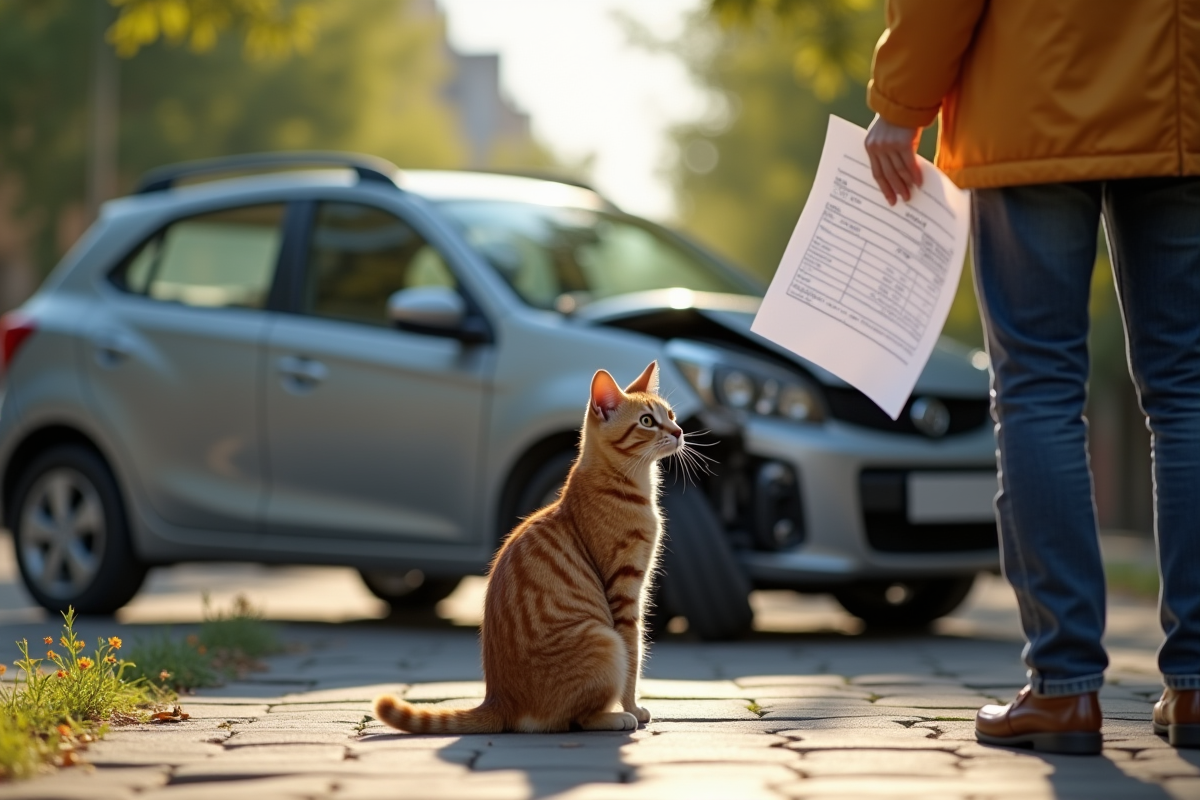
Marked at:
<point>829,460</point>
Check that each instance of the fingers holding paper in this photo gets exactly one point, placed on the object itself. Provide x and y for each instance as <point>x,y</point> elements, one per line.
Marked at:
<point>892,152</point>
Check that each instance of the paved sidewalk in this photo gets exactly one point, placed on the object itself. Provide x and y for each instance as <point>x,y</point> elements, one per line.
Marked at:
<point>809,708</point>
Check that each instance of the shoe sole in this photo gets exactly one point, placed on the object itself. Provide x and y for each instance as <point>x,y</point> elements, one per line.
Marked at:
<point>1073,744</point>
<point>1179,735</point>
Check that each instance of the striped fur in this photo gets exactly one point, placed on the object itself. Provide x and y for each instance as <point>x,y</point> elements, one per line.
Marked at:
<point>562,632</point>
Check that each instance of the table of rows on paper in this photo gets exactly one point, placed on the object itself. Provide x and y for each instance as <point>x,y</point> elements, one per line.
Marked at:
<point>877,271</point>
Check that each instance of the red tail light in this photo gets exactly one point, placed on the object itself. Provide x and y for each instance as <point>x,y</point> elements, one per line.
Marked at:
<point>15,328</point>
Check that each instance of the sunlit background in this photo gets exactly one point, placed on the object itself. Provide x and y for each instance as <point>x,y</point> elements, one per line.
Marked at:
<point>704,114</point>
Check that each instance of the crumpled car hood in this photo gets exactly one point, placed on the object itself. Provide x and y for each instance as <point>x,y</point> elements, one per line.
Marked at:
<point>680,313</point>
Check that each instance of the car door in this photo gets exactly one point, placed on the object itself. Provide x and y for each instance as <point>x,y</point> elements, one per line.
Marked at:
<point>173,363</point>
<point>373,432</point>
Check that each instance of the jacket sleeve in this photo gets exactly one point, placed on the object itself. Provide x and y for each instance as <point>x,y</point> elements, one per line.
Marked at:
<point>918,56</point>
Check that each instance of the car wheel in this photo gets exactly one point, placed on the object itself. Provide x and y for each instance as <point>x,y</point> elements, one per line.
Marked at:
<point>892,604</point>
<point>71,534</point>
<point>701,577</point>
<point>408,589</point>
<point>543,485</point>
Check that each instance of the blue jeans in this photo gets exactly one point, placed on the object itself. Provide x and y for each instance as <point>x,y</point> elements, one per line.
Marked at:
<point>1034,249</point>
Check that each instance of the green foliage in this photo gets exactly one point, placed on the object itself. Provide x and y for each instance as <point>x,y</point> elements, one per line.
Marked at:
<point>373,82</point>
<point>747,166</point>
<point>1139,580</point>
<point>828,36</point>
<point>271,30</point>
<point>59,702</point>
<point>240,630</point>
<point>172,663</point>
<point>228,644</point>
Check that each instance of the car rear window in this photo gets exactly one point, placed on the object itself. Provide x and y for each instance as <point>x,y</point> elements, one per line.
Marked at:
<point>221,259</point>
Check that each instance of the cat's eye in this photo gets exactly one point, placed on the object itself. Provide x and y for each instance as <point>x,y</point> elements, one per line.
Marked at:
<point>647,420</point>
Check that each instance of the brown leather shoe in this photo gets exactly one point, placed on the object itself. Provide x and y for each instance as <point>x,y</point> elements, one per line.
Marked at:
<point>1068,724</point>
<point>1177,716</point>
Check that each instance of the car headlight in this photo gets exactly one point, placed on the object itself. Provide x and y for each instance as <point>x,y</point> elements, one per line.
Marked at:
<point>731,380</point>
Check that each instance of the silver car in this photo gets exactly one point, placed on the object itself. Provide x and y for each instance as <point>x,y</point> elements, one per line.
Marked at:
<point>362,366</point>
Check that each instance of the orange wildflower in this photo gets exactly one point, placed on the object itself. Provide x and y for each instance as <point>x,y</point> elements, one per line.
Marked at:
<point>61,673</point>
<point>85,663</point>
<point>110,659</point>
<point>114,642</point>
<point>64,730</point>
<point>63,641</point>
<point>3,669</point>
<point>50,654</point>
<point>49,640</point>
<point>79,645</point>
<point>164,675</point>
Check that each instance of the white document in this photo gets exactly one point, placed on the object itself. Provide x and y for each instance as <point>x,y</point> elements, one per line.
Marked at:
<point>864,288</point>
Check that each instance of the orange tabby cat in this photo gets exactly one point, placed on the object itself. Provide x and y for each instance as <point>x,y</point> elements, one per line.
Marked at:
<point>562,622</point>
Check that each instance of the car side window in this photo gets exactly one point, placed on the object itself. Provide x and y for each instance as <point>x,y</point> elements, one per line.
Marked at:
<point>359,255</point>
<point>221,259</point>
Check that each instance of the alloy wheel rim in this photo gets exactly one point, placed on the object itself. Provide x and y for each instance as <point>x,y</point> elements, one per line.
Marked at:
<point>63,533</point>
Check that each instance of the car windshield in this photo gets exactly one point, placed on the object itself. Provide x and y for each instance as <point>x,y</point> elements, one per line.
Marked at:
<point>562,258</point>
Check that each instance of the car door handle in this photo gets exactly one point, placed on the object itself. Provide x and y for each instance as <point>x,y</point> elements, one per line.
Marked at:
<point>301,372</point>
<point>112,349</point>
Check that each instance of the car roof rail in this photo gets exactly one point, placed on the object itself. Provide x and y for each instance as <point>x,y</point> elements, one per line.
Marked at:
<point>369,168</point>
<point>537,174</point>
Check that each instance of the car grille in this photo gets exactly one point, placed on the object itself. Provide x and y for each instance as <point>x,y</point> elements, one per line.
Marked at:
<point>851,405</point>
<point>885,516</point>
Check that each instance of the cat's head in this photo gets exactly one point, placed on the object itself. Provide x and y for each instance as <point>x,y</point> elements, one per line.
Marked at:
<point>635,423</point>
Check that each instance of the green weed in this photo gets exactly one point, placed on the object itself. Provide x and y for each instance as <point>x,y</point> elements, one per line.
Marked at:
<point>1135,579</point>
<point>228,645</point>
<point>61,702</point>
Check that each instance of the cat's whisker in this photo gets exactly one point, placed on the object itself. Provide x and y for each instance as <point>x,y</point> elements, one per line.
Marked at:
<point>701,455</point>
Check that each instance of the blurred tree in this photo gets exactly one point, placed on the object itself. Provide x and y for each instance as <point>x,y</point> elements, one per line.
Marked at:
<point>374,84</point>
<point>271,29</point>
<point>828,36</point>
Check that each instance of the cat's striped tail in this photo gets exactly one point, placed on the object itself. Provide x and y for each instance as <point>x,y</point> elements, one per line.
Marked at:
<point>404,716</point>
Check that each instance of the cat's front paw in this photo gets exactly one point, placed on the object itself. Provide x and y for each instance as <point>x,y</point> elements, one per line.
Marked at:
<point>642,714</point>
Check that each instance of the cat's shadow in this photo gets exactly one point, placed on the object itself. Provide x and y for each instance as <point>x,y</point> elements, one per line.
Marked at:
<point>552,763</point>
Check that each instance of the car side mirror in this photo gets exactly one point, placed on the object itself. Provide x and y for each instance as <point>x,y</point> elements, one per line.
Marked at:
<point>437,310</point>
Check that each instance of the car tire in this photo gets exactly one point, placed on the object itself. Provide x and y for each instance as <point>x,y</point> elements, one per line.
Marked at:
<point>701,578</point>
<point>543,485</point>
<point>408,590</point>
<point>71,533</point>
<point>904,604</point>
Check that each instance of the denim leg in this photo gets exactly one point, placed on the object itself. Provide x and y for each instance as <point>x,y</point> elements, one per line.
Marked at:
<point>1034,248</point>
<point>1153,230</point>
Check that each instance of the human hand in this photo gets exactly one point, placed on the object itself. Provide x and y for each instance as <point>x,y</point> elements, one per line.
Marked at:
<point>892,151</point>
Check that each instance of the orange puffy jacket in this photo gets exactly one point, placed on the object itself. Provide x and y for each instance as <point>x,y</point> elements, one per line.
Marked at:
<point>1042,91</point>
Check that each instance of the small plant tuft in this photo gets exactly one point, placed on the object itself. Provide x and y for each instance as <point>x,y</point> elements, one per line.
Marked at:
<point>60,703</point>
<point>228,645</point>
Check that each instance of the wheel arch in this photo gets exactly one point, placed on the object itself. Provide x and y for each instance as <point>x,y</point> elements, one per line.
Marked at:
<point>37,442</point>
<point>522,470</point>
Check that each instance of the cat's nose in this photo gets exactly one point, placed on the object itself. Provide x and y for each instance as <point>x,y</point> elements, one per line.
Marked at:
<point>677,432</point>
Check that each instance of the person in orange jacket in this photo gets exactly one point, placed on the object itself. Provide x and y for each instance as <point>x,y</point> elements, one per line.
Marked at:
<point>1057,116</point>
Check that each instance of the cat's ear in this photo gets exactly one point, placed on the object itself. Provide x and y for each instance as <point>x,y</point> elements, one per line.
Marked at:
<point>647,381</point>
<point>606,395</point>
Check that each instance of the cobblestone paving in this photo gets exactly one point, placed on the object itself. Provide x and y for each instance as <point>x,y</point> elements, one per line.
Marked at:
<point>821,711</point>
